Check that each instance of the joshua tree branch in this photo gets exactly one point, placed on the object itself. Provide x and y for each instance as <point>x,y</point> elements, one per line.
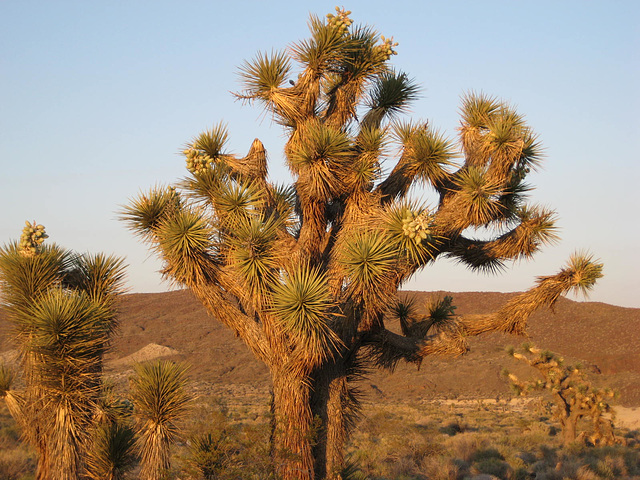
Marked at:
<point>390,347</point>
<point>397,183</point>
<point>580,274</point>
<point>222,307</point>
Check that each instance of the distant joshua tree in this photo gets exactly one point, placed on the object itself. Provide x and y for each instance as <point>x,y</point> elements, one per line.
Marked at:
<point>62,309</point>
<point>307,274</point>
<point>574,397</point>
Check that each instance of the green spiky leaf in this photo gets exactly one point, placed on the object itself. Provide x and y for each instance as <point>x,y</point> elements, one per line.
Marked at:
<point>265,73</point>
<point>146,212</point>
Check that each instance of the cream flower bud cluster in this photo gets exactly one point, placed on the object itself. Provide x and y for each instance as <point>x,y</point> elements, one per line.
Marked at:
<point>32,238</point>
<point>340,20</point>
<point>416,227</point>
<point>197,162</point>
<point>386,48</point>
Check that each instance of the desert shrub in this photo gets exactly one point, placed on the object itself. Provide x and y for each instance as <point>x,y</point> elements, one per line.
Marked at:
<point>9,435</point>
<point>440,467</point>
<point>491,466</point>
<point>212,453</point>
<point>17,464</point>
<point>352,471</point>
<point>527,458</point>
<point>612,462</point>
<point>632,460</point>
<point>486,454</point>
<point>464,446</point>
<point>520,473</point>
<point>253,460</point>
<point>225,444</point>
<point>17,461</point>
<point>453,428</point>
<point>586,473</point>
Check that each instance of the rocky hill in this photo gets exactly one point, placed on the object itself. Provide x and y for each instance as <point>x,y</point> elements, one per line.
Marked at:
<point>173,324</point>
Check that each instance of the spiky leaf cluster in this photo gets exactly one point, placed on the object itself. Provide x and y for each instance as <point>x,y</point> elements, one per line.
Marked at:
<point>112,455</point>
<point>439,316</point>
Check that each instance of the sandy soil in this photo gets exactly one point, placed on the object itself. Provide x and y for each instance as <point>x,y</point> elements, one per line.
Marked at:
<point>628,417</point>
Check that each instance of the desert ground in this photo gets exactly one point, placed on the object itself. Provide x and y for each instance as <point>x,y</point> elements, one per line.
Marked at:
<point>466,396</point>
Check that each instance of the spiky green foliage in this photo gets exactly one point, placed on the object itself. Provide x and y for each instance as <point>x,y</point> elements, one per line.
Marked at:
<point>307,275</point>
<point>301,303</point>
<point>62,307</point>
<point>112,455</point>
<point>212,453</point>
<point>147,212</point>
<point>574,397</point>
<point>100,276</point>
<point>160,398</point>
<point>440,315</point>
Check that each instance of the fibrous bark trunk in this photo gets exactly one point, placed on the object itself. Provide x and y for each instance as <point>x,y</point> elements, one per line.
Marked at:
<point>42,469</point>
<point>292,429</point>
<point>328,402</point>
<point>569,429</point>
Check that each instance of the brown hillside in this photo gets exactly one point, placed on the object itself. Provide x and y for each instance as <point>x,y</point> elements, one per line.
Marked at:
<point>602,336</point>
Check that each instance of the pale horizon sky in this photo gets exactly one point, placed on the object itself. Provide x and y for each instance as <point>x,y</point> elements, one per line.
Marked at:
<point>99,97</point>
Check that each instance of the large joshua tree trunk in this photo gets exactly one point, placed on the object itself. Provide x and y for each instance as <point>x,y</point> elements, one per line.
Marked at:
<point>329,403</point>
<point>292,428</point>
<point>42,468</point>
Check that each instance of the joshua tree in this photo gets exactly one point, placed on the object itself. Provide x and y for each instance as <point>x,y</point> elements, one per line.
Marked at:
<point>61,306</point>
<point>305,274</point>
<point>160,399</point>
<point>574,397</point>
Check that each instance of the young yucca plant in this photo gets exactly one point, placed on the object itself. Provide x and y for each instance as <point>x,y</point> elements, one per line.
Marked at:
<point>307,276</point>
<point>160,398</point>
<point>210,454</point>
<point>112,454</point>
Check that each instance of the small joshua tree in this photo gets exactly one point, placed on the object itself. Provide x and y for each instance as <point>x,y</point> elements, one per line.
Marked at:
<point>62,308</point>
<point>574,397</point>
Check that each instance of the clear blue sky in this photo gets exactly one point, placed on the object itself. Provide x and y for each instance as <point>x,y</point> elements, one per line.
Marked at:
<point>99,97</point>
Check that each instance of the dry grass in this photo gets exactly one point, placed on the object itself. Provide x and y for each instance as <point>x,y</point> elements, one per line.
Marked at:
<point>435,440</point>
<point>17,461</point>
<point>458,440</point>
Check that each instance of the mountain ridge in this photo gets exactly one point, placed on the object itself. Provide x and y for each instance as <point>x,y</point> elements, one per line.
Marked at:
<point>603,337</point>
